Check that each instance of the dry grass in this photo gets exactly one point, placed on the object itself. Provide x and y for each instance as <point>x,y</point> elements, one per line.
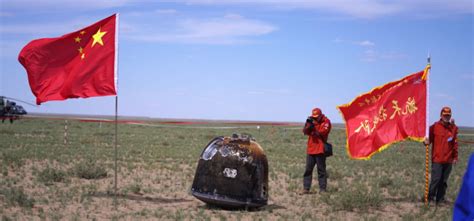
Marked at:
<point>43,179</point>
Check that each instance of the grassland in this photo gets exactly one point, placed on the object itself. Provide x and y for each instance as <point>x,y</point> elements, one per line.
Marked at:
<point>43,179</point>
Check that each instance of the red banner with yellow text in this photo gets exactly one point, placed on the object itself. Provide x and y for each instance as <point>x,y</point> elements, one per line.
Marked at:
<point>388,114</point>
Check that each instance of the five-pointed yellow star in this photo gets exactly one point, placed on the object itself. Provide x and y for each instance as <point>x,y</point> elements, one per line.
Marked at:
<point>80,50</point>
<point>98,37</point>
<point>83,32</point>
<point>77,39</point>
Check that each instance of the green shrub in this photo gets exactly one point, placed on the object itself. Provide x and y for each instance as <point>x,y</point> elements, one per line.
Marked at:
<point>385,182</point>
<point>7,132</point>
<point>356,199</point>
<point>12,159</point>
<point>6,218</point>
<point>134,188</point>
<point>50,175</point>
<point>89,169</point>
<point>16,196</point>
<point>88,190</point>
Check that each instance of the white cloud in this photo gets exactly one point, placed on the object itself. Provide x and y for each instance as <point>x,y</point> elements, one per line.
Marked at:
<point>17,35</point>
<point>366,9</point>
<point>338,40</point>
<point>393,55</point>
<point>166,11</point>
<point>58,28</point>
<point>444,96</point>
<point>230,29</point>
<point>148,13</point>
<point>365,43</point>
<point>357,8</point>
<point>64,5</point>
<point>360,8</point>
<point>37,29</point>
<point>226,27</point>
<point>233,16</point>
<point>270,92</point>
<point>371,55</point>
<point>256,92</point>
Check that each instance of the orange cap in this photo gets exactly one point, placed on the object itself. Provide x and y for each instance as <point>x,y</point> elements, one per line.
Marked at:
<point>316,112</point>
<point>446,111</point>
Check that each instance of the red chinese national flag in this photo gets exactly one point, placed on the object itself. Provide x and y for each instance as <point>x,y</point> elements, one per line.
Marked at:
<point>78,64</point>
<point>387,114</point>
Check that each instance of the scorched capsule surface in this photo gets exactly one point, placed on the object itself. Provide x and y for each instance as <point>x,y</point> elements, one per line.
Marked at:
<point>232,172</point>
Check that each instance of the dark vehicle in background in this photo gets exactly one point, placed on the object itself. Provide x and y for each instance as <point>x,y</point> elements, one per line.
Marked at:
<point>9,110</point>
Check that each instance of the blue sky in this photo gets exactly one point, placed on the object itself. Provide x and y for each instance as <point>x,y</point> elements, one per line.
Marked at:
<point>270,60</point>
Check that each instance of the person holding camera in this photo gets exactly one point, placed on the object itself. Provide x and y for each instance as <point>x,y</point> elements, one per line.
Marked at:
<point>317,128</point>
<point>444,144</point>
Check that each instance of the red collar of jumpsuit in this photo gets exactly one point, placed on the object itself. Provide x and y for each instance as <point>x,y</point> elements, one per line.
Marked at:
<point>317,136</point>
<point>443,138</point>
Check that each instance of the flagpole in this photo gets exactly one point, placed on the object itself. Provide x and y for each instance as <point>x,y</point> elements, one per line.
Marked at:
<point>427,150</point>
<point>115,169</point>
<point>116,108</point>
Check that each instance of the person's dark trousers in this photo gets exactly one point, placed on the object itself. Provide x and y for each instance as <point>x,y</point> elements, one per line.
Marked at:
<point>311,161</point>
<point>439,180</point>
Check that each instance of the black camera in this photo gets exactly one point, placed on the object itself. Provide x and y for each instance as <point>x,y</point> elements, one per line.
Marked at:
<point>309,121</point>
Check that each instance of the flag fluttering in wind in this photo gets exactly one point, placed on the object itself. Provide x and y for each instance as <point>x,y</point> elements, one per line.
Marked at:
<point>386,115</point>
<point>79,64</point>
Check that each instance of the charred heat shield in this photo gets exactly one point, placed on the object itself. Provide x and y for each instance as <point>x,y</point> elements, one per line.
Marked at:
<point>232,172</point>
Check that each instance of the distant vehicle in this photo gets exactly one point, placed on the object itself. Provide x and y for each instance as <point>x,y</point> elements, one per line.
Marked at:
<point>9,110</point>
<point>232,173</point>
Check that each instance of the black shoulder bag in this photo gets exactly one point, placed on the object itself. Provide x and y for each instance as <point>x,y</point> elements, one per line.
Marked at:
<point>327,149</point>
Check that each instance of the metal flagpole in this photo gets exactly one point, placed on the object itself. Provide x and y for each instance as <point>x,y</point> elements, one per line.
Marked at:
<point>115,169</point>
<point>116,108</point>
<point>427,131</point>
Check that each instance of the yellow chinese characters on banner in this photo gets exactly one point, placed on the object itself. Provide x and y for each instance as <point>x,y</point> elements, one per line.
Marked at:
<point>409,108</point>
<point>368,101</point>
<point>387,114</point>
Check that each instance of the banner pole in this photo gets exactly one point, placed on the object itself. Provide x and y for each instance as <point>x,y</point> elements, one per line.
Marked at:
<point>115,164</point>
<point>427,173</point>
<point>427,149</point>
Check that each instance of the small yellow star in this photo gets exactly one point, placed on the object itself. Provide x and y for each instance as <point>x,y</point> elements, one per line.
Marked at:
<point>98,37</point>
<point>77,39</point>
<point>83,32</point>
<point>80,50</point>
<point>83,55</point>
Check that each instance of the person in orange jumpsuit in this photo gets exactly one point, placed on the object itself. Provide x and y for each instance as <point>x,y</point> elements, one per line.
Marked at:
<point>444,153</point>
<point>317,128</point>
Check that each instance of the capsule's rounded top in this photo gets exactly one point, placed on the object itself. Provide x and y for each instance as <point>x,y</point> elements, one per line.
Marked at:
<point>244,141</point>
